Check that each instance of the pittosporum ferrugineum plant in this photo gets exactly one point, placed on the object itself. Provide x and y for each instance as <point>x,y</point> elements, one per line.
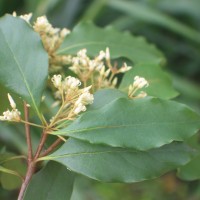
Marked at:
<point>103,128</point>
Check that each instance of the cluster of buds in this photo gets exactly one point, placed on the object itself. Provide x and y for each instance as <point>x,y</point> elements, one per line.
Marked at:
<point>13,115</point>
<point>98,71</point>
<point>25,17</point>
<point>52,38</point>
<point>73,98</point>
<point>139,83</point>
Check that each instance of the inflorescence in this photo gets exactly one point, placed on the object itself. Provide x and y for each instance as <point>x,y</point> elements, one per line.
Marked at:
<point>94,73</point>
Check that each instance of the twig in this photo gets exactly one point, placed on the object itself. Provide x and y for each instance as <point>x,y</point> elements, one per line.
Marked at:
<point>41,144</point>
<point>31,164</point>
<point>29,174</point>
<point>28,135</point>
<point>51,148</point>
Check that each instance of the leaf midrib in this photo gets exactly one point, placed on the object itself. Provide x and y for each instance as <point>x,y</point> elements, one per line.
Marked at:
<point>117,126</point>
<point>21,72</point>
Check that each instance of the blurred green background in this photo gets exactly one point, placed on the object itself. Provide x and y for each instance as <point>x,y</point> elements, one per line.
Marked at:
<point>173,26</point>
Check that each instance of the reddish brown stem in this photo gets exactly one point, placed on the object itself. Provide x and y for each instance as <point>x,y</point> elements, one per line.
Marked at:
<point>51,148</point>
<point>28,135</point>
<point>29,174</point>
<point>31,165</point>
<point>41,144</point>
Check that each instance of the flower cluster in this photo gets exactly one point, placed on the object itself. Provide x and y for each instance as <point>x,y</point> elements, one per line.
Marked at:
<point>13,115</point>
<point>52,38</point>
<point>25,17</point>
<point>139,83</point>
<point>98,71</point>
<point>73,99</point>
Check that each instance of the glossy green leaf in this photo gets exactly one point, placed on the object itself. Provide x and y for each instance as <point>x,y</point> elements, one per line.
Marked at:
<point>160,84</point>
<point>190,171</point>
<point>94,39</point>
<point>119,164</point>
<point>150,15</point>
<point>142,124</point>
<point>23,60</point>
<point>105,96</point>
<point>52,182</point>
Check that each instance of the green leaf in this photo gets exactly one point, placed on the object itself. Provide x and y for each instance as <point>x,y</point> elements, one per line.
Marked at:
<point>150,15</point>
<point>160,84</point>
<point>105,96</point>
<point>94,39</point>
<point>111,164</point>
<point>190,171</point>
<point>52,182</point>
<point>142,124</point>
<point>12,169</point>
<point>23,60</point>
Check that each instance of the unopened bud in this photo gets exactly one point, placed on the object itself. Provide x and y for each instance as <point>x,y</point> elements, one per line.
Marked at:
<point>12,102</point>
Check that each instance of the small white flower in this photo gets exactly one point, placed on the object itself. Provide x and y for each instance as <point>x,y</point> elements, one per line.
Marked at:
<point>57,80</point>
<point>75,61</point>
<point>80,107</point>
<point>107,73</point>
<point>140,82</point>
<point>13,115</point>
<point>114,82</point>
<point>102,72</point>
<point>42,21</point>
<point>14,14</point>
<point>124,68</point>
<point>82,53</point>
<point>101,55</point>
<point>71,83</point>
<point>107,55</point>
<point>142,94</point>
<point>26,17</point>
<point>64,32</point>
<point>86,98</point>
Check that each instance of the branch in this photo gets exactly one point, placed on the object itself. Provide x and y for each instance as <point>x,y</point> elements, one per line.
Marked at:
<point>41,144</point>
<point>51,148</point>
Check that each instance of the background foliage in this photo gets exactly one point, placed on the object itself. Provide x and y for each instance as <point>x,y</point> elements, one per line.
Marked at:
<point>174,27</point>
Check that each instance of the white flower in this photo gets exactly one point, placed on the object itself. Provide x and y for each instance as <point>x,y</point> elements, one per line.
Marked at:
<point>86,98</point>
<point>64,32</point>
<point>124,68</point>
<point>140,82</point>
<point>13,115</point>
<point>80,107</point>
<point>57,80</point>
<point>26,17</point>
<point>71,83</point>
<point>107,55</point>
<point>42,21</point>
<point>107,73</point>
<point>114,82</point>
<point>142,94</point>
<point>82,53</point>
<point>101,55</point>
<point>102,71</point>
